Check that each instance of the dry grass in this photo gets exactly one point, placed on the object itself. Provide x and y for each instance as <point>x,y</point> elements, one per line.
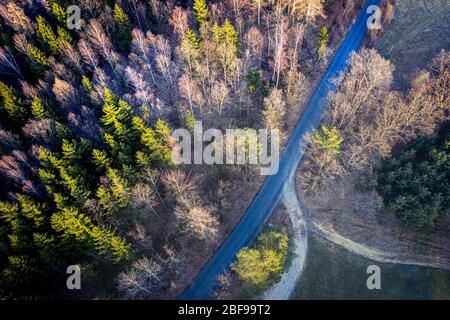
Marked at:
<point>418,32</point>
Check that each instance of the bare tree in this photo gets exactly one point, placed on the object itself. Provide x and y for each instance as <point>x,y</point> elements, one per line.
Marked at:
<point>179,21</point>
<point>219,96</point>
<point>141,281</point>
<point>101,42</point>
<point>15,17</point>
<point>88,54</point>
<point>274,110</point>
<point>189,90</point>
<point>278,61</point>
<point>198,221</point>
<point>8,62</point>
<point>144,197</point>
<point>141,51</point>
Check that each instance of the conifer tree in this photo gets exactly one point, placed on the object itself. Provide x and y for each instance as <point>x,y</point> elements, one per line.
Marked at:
<point>329,140</point>
<point>322,44</point>
<point>229,34</point>
<point>11,104</point>
<point>114,192</point>
<point>38,60</point>
<point>87,84</point>
<point>40,109</point>
<point>123,29</point>
<point>47,38</point>
<point>60,13</point>
<point>200,11</point>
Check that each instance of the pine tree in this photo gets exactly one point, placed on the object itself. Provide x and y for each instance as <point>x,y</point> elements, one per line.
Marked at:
<point>114,192</point>
<point>189,49</point>
<point>87,84</point>
<point>120,135</point>
<point>63,35</point>
<point>100,159</point>
<point>60,13</point>
<point>322,44</point>
<point>38,60</point>
<point>329,140</point>
<point>123,29</point>
<point>40,109</point>
<point>253,79</point>
<point>46,36</point>
<point>229,34</point>
<point>200,11</point>
<point>31,210</point>
<point>157,142</point>
<point>11,104</point>
<point>191,37</point>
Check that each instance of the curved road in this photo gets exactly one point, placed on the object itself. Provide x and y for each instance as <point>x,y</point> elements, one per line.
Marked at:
<point>273,187</point>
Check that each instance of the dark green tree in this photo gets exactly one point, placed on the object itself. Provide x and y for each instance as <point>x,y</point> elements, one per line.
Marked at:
<point>415,184</point>
<point>123,29</point>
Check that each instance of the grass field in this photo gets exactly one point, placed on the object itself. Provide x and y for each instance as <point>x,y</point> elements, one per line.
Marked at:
<point>332,272</point>
<point>419,30</point>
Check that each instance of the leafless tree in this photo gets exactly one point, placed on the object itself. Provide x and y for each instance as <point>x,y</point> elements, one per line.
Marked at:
<point>141,281</point>
<point>8,62</point>
<point>179,21</point>
<point>198,221</point>
<point>141,51</point>
<point>40,131</point>
<point>144,197</point>
<point>101,42</point>
<point>189,90</point>
<point>219,96</point>
<point>15,17</point>
<point>274,110</point>
<point>8,139</point>
<point>88,54</point>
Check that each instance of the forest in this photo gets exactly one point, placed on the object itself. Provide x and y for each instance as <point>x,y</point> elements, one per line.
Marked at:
<point>87,112</point>
<point>85,133</point>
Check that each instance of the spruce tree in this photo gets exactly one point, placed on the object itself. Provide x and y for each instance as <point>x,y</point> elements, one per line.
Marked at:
<point>60,13</point>
<point>123,29</point>
<point>322,44</point>
<point>329,140</point>
<point>38,60</point>
<point>200,11</point>
<point>11,104</point>
<point>47,38</point>
<point>40,109</point>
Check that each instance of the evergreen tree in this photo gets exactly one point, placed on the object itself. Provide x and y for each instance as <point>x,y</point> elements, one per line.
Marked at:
<point>261,266</point>
<point>229,34</point>
<point>60,13</point>
<point>322,44</point>
<point>47,38</point>
<point>11,105</point>
<point>157,143</point>
<point>200,11</point>
<point>123,29</point>
<point>40,109</point>
<point>120,135</point>
<point>253,79</point>
<point>329,140</point>
<point>87,84</point>
<point>38,60</point>
<point>415,184</point>
<point>114,192</point>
